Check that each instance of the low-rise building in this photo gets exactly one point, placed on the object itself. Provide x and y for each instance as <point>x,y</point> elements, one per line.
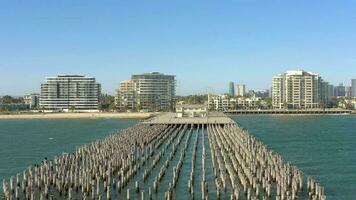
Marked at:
<point>218,102</point>
<point>191,111</point>
<point>32,100</point>
<point>347,103</point>
<point>244,103</point>
<point>224,103</point>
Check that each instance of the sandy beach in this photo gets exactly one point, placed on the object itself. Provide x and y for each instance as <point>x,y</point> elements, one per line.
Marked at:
<point>75,115</point>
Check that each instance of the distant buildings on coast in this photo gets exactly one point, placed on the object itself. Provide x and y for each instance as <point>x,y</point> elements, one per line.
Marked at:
<point>70,93</point>
<point>150,92</point>
<point>147,92</point>
<point>299,89</point>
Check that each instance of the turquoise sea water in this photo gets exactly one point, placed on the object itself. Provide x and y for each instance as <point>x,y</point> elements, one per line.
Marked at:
<point>28,142</point>
<point>321,146</point>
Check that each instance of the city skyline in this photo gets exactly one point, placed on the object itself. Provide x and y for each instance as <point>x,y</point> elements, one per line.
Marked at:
<point>205,44</point>
<point>223,89</point>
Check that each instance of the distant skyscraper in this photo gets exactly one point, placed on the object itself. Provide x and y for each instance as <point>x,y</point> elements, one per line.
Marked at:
<point>340,91</point>
<point>231,89</point>
<point>298,90</point>
<point>66,92</point>
<point>241,90</point>
<point>348,91</point>
<point>353,86</point>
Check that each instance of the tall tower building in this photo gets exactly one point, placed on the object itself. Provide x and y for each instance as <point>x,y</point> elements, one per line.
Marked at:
<point>297,90</point>
<point>70,92</point>
<point>231,89</point>
<point>340,91</point>
<point>353,87</point>
<point>241,90</point>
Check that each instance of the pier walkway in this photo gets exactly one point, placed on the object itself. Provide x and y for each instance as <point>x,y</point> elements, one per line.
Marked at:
<point>170,118</point>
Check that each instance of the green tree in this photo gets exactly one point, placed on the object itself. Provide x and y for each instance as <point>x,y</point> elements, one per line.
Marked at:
<point>72,108</point>
<point>107,102</point>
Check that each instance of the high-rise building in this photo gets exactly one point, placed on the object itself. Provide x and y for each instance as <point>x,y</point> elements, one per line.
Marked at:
<point>348,91</point>
<point>69,93</point>
<point>297,90</point>
<point>32,100</point>
<point>241,90</point>
<point>353,86</point>
<point>231,89</point>
<point>149,92</point>
<point>126,96</point>
<point>340,91</point>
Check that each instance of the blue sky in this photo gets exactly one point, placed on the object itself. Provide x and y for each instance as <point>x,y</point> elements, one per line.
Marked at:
<point>205,44</point>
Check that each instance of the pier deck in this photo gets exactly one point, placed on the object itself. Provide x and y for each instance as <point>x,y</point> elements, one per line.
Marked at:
<point>170,118</point>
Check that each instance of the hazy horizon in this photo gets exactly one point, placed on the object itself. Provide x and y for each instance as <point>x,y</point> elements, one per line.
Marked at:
<point>205,44</point>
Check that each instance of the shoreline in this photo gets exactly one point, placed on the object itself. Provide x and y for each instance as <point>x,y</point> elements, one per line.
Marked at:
<point>76,115</point>
<point>286,114</point>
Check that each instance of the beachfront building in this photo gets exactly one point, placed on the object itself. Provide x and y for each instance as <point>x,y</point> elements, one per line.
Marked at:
<point>241,90</point>
<point>147,92</point>
<point>70,93</point>
<point>298,90</point>
<point>32,100</point>
<point>231,89</point>
<point>126,96</point>
<point>242,103</point>
<point>225,103</point>
<point>218,102</point>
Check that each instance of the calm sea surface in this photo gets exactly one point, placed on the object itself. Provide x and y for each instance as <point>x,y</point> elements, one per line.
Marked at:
<point>27,142</point>
<point>321,146</point>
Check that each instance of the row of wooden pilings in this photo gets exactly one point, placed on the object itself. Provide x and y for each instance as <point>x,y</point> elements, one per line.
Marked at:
<point>134,163</point>
<point>252,170</point>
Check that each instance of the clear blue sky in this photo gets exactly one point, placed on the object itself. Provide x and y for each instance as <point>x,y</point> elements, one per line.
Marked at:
<point>204,43</point>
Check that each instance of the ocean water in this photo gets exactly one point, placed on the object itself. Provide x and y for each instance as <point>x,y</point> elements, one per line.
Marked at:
<point>321,146</point>
<point>28,142</point>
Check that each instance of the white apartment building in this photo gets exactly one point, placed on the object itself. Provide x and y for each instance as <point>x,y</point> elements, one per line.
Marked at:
<point>149,92</point>
<point>240,90</point>
<point>297,90</point>
<point>32,100</point>
<point>126,96</point>
<point>244,103</point>
<point>218,102</point>
<point>224,102</point>
<point>70,93</point>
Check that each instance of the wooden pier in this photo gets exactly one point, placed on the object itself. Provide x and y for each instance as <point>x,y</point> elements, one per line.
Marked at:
<point>168,158</point>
